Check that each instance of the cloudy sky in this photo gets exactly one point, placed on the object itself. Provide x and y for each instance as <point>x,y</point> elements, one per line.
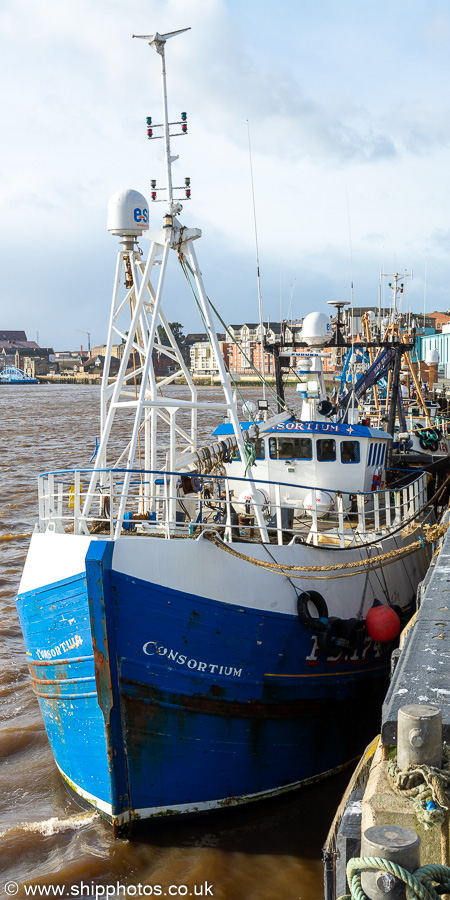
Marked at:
<point>347,106</point>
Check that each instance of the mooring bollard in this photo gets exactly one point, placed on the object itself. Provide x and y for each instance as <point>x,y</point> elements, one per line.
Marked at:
<point>400,846</point>
<point>419,738</point>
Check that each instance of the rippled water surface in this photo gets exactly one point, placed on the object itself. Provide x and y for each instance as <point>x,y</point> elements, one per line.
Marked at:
<point>264,851</point>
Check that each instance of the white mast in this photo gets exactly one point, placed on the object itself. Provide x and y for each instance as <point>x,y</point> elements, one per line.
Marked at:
<point>396,288</point>
<point>141,302</point>
<point>157,41</point>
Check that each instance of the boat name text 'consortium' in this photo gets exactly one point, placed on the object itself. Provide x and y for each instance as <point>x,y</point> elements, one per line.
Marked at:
<point>151,647</point>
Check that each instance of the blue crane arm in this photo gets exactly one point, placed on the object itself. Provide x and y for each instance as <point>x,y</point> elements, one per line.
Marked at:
<point>365,381</point>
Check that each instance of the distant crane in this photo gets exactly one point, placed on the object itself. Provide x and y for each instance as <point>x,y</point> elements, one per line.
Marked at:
<point>80,330</point>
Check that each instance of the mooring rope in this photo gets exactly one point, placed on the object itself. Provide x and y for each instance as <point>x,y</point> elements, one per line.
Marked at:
<point>357,567</point>
<point>426,786</point>
<point>427,883</point>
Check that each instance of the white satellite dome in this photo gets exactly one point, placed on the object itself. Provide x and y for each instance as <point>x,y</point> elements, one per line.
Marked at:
<point>432,358</point>
<point>248,408</point>
<point>317,330</point>
<point>127,213</point>
<point>245,506</point>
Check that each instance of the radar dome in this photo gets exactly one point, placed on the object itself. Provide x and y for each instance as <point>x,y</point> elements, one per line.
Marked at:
<point>316,331</point>
<point>432,358</point>
<point>127,213</point>
<point>248,408</point>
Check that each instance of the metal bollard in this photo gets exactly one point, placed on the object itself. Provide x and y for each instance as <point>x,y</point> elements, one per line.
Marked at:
<point>419,737</point>
<point>399,845</point>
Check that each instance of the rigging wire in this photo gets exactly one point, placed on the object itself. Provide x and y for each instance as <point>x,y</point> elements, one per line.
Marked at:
<point>351,284</point>
<point>187,268</point>
<point>258,278</point>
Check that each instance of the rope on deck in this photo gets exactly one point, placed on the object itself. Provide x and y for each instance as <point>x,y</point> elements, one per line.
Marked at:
<point>432,533</point>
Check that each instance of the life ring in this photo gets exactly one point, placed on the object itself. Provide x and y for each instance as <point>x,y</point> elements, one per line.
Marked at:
<point>376,479</point>
<point>316,599</point>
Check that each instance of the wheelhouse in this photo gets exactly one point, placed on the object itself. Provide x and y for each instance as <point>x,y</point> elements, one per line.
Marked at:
<point>330,456</point>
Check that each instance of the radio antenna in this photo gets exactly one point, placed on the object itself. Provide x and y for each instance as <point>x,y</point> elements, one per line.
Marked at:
<point>158,41</point>
<point>258,279</point>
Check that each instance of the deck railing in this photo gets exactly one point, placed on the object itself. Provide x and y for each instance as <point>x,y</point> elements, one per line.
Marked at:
<point>76,501</point>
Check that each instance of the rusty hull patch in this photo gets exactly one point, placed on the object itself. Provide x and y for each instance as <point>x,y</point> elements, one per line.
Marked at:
<point>213,706</point>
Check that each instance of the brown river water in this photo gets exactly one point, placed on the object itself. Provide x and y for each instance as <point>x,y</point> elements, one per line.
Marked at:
<point>264,851</point>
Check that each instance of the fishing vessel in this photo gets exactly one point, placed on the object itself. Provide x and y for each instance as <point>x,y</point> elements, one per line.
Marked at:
<point>196,615</point>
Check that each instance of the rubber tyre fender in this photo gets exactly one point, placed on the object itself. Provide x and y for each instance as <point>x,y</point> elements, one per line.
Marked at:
<point>355,630</point>
<point>404,613</point>
<point>325,408</point>
<point>335,638</point>
<point>303,599</point>
<point>430,445</point>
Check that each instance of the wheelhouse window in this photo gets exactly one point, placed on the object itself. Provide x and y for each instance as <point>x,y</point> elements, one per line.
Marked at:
<point>350,452</point>
<point>259,447</point>
<point>290,448</point>
<point>326,450</point>
<point>260,450</point>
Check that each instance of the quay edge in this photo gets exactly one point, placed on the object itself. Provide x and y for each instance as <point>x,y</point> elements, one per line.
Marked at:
<point>420,675</point>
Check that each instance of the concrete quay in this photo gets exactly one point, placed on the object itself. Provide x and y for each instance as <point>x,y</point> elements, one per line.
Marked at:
<point>420,680</point>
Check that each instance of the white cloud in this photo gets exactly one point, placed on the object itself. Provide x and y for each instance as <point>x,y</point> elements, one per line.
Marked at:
<point>342,107</point>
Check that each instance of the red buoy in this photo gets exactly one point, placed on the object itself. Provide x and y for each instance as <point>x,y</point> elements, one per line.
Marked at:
<point>383,623</point>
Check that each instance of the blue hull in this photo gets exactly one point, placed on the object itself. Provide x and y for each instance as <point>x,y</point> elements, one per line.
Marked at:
<point>158,701</point>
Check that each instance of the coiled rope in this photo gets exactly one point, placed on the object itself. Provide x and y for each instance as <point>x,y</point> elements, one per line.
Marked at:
<point>432,533</point>
<point>426,786</point>
<point>427,883</point>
